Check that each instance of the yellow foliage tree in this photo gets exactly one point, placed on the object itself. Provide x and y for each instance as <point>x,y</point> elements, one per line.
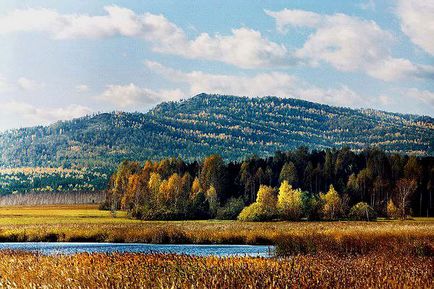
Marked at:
<point>154,184</point>
<point>211,196</point>
<point>392,210</point>
<point>332,206</point>
<point>289,202</point>
<point>263,209</point>
<point>127,199</point>
<point>195,188</point>
<point>266,197</point>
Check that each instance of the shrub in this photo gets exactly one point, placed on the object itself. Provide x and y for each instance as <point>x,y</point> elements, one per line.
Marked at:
<point>256,212</point>
<point>231,209</point>
<point>362,212</point>
<point>312,207</point>
<point>263,209</point>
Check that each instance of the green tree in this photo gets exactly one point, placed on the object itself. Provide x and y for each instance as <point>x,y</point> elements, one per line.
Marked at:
<point>362,212</point>
<point>289,173</point>
<point>231,209</point>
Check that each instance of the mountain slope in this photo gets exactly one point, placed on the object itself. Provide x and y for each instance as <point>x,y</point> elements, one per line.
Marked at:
<point>232,126</point>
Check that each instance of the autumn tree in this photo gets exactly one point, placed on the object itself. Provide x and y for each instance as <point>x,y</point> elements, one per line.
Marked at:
<point>362,212</point>
<point>289,202</point>
<point>405,189</point>
<point>263,209</point>
<point>120,183</point>
<point>212,174</point>
<point>392,210</point>
<point>211,196</point>
<point>332,206</point>
<point>195,188</point>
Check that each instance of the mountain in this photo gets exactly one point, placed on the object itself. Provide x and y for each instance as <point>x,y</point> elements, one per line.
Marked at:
<point>234,127</point>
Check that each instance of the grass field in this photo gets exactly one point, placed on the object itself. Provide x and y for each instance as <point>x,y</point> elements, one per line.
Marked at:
<point>87,223</point>
<point>382,254</point>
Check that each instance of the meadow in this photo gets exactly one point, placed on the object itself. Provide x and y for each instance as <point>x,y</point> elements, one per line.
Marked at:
<point>381,254</point>
<point>81,223</point>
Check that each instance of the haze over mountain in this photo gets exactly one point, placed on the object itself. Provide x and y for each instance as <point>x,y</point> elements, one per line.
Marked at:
<point>235,127</point>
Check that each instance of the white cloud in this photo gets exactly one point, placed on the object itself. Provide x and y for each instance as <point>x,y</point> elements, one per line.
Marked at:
<point>131,96</point>
<point>424,95</point>
<point>294,17</point>
<point>396,68</point>
<point>262,84</point>
<point>82,88</point>
<point>27,84</point>
<point>22,114</point>
<point>244,47</point>
<point>117,21</point>
<point>349,44</point>
<point>417,22</point>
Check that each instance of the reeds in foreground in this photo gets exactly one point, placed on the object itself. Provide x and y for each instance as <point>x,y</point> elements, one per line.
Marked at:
<point>28,270</point>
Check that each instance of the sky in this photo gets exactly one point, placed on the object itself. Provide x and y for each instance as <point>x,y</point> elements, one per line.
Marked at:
<point>65,59</point>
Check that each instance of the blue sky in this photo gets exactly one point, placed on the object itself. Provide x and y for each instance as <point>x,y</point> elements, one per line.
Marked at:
<point>64,59</point>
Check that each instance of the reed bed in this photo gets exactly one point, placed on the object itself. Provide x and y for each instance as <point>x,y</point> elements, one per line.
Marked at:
<point>225,232</point>
<point>87,224</point>
<point>29,270</point>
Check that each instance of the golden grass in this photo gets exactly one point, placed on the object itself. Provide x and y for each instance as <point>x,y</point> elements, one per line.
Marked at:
<point>87,223</point>
<point>27,270</point>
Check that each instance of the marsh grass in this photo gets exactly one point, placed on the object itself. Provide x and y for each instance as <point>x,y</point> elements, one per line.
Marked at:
<point>28,270</point>
<point>88,224</point>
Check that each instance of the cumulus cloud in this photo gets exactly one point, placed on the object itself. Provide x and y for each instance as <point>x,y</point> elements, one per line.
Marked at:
<point>417,22</point>
<point>294,17</point>
<point>27,84</point>
<point>349,44</point>
<point>131,96</point>
<point>244,47</point>
<point>24,114</point>
<point>262,84</point>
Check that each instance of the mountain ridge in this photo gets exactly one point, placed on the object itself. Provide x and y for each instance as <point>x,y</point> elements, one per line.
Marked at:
<point>235,127</point>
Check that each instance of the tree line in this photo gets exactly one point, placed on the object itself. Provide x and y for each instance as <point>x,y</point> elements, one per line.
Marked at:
<point>51,198</point>
<point>330,184</point>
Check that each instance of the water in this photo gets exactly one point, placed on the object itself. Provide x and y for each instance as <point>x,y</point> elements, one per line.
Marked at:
<point>196,250</point>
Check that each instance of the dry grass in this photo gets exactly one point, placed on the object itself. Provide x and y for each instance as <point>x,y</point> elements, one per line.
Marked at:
<point>384,254</point>
<point>26,270</point>
<point>86,223</point>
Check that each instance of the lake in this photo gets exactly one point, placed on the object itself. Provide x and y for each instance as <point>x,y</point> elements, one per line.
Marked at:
<point>190,249</point>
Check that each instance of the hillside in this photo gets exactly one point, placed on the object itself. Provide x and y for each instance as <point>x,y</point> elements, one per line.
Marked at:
<point>233,126</point>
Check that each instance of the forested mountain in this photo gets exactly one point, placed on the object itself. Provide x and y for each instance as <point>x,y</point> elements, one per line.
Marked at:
<point>234,127</point>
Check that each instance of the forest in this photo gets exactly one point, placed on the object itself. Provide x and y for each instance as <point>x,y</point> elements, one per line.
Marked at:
<point>294,185</point>
<point>233,127</point>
